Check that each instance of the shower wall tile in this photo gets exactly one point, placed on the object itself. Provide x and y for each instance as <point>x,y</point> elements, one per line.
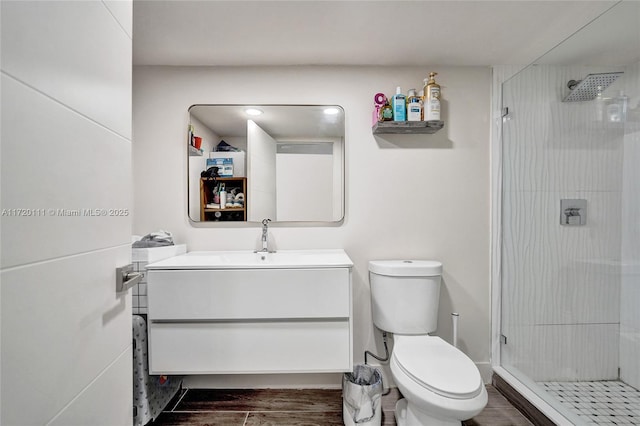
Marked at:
<point>630,291</point>
<point>629,355</point>
<point>564,352</point>
<point>560,146</point>
<point>588,160</point>
<point>559,274</point>
<point>630,296</point>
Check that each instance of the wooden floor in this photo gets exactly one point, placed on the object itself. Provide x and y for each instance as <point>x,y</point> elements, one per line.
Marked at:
<point>290,407</point>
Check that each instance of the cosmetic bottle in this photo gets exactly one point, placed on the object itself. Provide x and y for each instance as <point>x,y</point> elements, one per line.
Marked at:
<point>386,112</point>
<point>216,195</point>
<point>414,109</point>
<point>432,99</point>
<point>379,101</point>
<point>223,197</point>
<point>191,142</point>
<point>399,106</point>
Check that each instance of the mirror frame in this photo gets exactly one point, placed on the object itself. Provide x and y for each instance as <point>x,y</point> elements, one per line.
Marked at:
<point>245,224</point>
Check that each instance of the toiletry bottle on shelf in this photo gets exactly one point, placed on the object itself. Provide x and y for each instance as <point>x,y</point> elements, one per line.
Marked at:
<point>223,196</point>
<point>432,99</point>
<point>386,112</point>
<point>379,101</point>
<point>421,98</point>
<point>216,195</point>
<point>414,109</point>
<point>191,134</point>
<point>399,106</point>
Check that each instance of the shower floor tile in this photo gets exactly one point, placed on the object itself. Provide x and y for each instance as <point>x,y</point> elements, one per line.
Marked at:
<point>598,403</point>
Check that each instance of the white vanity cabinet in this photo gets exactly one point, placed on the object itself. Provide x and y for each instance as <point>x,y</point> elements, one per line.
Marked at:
<point>237,320</point>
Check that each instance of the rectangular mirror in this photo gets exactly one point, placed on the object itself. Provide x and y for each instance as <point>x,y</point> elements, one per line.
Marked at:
<point>281,162</point>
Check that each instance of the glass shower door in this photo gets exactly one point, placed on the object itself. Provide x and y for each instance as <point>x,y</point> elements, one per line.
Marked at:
<point>570,235</point>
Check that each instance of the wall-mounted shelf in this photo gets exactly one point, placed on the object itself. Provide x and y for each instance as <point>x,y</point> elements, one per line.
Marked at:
<point>406,127</point>
<point>193,152</point>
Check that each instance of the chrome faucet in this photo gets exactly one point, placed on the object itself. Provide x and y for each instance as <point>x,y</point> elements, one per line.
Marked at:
<point>265,239</point>
<point>571,213</point>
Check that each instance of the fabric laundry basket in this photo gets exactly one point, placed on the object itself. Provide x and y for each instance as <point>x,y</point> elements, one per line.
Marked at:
<point>361,397</point>
<point>151,394</point>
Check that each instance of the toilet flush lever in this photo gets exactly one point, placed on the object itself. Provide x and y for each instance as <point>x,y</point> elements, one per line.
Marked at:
<point>126,278</point>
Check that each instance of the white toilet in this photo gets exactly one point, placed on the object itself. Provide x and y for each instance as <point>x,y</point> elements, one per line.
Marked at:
<point>440,384</point>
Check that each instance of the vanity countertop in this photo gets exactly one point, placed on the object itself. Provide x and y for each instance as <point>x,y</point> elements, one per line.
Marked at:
<point>292,259</point>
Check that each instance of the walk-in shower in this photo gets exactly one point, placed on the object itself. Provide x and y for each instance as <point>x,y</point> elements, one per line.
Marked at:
<point>569,287</point>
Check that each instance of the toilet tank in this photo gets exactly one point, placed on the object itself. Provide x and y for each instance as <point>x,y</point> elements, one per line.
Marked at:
<point>405,295</point>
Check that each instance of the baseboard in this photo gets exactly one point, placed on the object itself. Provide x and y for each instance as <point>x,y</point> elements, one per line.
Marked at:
<point>485,371</point>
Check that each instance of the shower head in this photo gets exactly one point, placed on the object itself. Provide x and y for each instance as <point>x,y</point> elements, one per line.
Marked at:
<point>587,89</point>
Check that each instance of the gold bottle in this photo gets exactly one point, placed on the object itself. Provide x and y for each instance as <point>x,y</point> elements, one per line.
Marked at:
<point>431,99</point>
<point>386,112</point>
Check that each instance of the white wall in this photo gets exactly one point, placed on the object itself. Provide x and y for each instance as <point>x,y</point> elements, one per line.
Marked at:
<point>310,198</point>
<point>66,144</point>
<point>261,174</point>
<point>209,138</point>
<point>416,196</point>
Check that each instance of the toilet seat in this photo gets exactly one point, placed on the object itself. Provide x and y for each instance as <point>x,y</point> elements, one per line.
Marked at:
<point>437,366</point>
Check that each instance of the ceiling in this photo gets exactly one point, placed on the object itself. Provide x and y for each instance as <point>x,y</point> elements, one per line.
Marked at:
<point>391,32</point>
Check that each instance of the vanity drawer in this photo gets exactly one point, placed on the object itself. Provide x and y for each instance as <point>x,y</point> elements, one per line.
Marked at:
<point>249,347</point>
<point>249,294</point>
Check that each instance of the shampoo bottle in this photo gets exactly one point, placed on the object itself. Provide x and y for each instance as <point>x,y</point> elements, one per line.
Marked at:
<point>399,106</point>
<point>432,99</point>
<point>223,196</point>
<point>414,109</point>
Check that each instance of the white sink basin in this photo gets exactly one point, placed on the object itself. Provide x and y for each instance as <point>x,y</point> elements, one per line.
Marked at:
<point>250,260</point>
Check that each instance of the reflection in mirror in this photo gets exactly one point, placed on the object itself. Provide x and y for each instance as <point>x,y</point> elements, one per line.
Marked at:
<point>282,162</point>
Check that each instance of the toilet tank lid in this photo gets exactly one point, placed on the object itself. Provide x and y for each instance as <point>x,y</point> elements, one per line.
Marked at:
<point>406,268</point>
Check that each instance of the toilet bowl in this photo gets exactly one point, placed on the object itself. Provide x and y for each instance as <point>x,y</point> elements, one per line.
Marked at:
<point>440,384</point>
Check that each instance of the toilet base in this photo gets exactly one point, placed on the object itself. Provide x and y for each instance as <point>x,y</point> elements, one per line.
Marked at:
<point>406,416</point>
